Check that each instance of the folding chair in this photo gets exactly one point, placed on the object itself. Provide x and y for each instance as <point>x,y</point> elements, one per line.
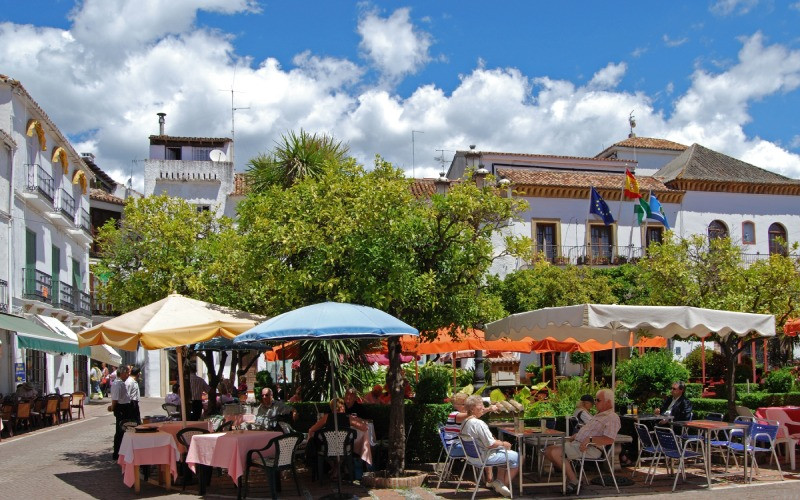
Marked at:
<point>646,445</point>
<point>759,433</point>
<point>670,448</point>
<point>478,460</point>
<point>604,457</point>
<point>453,451</point>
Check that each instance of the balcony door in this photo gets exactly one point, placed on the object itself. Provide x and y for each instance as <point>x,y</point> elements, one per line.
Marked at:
<point>56,271</point>
<point>546,240</point>
<point>602,242</point>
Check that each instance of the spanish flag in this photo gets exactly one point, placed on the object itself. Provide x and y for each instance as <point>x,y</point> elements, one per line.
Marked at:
<point>631,186</point>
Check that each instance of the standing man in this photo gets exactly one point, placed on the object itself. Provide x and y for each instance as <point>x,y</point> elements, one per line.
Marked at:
<point>132,385</point>
<point>676,405</point>
<point>600,430</point>
<point>198,386</point>
<point>120,406</point>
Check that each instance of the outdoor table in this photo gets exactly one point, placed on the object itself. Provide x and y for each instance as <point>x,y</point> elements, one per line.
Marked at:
<point>240,418</point>
<point>227,450</point>
<point>709,426</point>
<point>648,417</point>
<point>151,448</point>
<point>364,442</point>
<point>537,434</point>
<point>172,427</point>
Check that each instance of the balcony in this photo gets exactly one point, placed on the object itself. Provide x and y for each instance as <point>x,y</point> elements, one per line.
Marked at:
<point>66,297</point>
<point>36,285</point>
<point>3,296</point>
<point>64,213</point>
<point>39,188</point>
<point>591,255</point>
<point>83,305</point>
<point>82,232</point>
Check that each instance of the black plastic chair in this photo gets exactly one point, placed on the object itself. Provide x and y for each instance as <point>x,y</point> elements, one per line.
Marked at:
<point>282,458</point>
<point>184,437</point>
<point>173,411</point>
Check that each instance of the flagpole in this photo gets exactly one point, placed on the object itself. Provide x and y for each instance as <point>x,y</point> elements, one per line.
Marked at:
<point>586,235</point>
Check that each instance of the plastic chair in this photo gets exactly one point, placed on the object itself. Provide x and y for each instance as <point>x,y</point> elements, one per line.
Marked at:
<point>453,451</point>
<point>670,448</point>
<point>184,437</point>
<point>478,460</point>
<point>285,447</point>
<point>785,437</point>
<point>764,434</point>
<point>336,444</point>
<point>78,399</point>
<point>173,411</point>
<point>604,457</point>
<point>65,408</point>
<point>646,445</point>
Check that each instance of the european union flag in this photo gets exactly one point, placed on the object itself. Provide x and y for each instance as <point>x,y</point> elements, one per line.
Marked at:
<point>599,207</point>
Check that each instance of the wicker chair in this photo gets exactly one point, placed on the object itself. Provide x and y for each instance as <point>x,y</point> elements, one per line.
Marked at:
<point>23,414</point>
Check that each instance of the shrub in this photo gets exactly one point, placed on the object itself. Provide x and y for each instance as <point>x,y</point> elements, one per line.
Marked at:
<point>715,363</point>
<point>694,391</point>
<point>568,394</point>
<point>761,399</point>
<point>433,385</point>
<point>580,358</point>
<point>703,406</point>
<point>263,379</point>
<point>778,381</point>
<point>650,375</point>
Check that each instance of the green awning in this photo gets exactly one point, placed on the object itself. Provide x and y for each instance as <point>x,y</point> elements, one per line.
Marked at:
<point>32,336</point>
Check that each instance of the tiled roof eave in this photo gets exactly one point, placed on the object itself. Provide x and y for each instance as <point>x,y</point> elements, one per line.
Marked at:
<point>583,192</point>
<point>788,189</point>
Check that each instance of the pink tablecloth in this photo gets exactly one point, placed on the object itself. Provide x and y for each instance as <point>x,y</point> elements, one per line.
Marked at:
<point>364,442</point>
<point>154,448</point>
<point>239,419</point>
<point>227,450</point>
<point>172,428</point>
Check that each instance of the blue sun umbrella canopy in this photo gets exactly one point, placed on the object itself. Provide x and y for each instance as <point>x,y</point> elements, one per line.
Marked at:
<point>327,321</point>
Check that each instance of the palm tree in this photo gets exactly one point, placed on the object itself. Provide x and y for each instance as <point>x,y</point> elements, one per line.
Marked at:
<point>294,157</point>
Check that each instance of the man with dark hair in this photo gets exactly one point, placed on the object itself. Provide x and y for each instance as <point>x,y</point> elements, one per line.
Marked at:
<point>677,405</point>
<point>120,405</point>
<point>132,385</point>
<point>198,386</point>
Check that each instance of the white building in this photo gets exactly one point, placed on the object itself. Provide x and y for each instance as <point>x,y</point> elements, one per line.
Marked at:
<point>45,234</point>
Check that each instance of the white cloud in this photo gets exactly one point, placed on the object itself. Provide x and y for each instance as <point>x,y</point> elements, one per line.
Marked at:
<point>609,77</point>
<point>728,7</point>
<point>676,42</point>
<point>182,72</point>
<point>393,44</point>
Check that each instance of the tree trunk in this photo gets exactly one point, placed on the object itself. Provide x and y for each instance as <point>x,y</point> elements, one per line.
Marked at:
<point>730,378</point>
<point>397,444</point>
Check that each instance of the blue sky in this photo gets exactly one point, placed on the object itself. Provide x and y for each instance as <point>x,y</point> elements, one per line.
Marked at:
<point>518,76</point>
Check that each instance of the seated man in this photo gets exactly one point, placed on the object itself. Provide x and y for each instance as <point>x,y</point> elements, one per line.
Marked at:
<point>269,410</point>
<point>600,430</point>
<point>477,429</point>
<point>676,405</point>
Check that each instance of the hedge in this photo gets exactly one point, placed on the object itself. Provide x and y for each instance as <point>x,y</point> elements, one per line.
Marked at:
<point>693,391</point>
<point>703,406</point>
<point>761,399</point>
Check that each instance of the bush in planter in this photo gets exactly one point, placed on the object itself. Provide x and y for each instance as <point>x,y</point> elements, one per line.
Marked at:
<point>703,406</point>
<point>650,375</point>
<point>778,381</point>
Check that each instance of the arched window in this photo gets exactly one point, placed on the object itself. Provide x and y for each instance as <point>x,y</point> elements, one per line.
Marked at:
<point>777,239</point>
<point>717,229</point>
<point>748,233</point>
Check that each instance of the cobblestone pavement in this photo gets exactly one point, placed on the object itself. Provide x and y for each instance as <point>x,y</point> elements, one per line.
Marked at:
<point>73,461</point>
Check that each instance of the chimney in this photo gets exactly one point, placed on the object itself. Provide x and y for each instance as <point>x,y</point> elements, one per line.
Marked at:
<point>161,122</point>
<point>88,156</point>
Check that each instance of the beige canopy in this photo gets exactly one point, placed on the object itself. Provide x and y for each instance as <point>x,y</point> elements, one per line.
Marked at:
<point>171,322</point>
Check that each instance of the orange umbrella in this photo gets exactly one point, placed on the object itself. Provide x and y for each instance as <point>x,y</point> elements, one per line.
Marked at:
<point>792,327</point>
<point>471,340</point>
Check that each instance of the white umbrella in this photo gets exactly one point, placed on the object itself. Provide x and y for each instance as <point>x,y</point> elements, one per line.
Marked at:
<point>605,323</point>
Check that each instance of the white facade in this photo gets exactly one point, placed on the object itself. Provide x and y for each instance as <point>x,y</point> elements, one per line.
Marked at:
<point>45,233</point>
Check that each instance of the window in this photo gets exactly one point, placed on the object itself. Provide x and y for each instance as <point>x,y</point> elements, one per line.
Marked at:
<point>653,234</point>
<point>748,233</point>
<point>777,239</point>
<point>717,229</point>
<point>36,369</point>
<point>173,153</point>
<point>203,208</point>
<point>602,244</point>
<point>201,154</point>
<point>546,241</point>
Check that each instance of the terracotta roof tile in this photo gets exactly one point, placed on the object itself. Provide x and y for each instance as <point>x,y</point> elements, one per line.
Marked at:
<point>532,155</point>
<point>100,195</point>
<point>423,188</point>
<point>645,143</point>
<point>577,179</point>
<point>163,139</point>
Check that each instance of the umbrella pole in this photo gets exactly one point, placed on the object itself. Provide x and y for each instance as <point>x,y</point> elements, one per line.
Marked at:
<point>766,362</point>
<point>753,356</point>
<point>613,367</point>
<point>703,359</point>
<point>592,369</point>
<point>553,359</point>
<point>179,350</point>
<point>453,355</point>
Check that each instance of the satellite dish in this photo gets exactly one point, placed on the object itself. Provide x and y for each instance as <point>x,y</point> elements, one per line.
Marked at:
<point>217,155</point>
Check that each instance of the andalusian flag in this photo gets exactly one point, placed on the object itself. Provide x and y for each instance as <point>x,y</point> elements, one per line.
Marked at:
<point>642,210</point>
<point>631,186</point>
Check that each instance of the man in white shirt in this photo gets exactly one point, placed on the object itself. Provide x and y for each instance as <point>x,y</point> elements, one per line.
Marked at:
<point>132,385</point>
<point>120,405</point>
<point>269,410</point>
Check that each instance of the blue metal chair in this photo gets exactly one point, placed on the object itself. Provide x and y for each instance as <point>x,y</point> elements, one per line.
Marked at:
<point>604,457</point>
<point>453,451</point>
<point>648,446</point>
<point>671,449</point>
<point>477,460</point>
<point>761,439</point>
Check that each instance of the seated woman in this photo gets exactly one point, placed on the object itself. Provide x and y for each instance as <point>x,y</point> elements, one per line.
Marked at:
<point>479,431</point>
<point>297,397</point>
<point>325,423</point>
<point>174,398</point>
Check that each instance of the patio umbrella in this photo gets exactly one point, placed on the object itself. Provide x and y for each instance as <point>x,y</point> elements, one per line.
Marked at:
<point>327,321</point>
<point>606,323</point>
<point>173,321</point>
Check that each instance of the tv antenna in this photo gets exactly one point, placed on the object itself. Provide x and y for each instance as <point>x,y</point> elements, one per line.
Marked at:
<point>234,109</point>
<point>441,159</point>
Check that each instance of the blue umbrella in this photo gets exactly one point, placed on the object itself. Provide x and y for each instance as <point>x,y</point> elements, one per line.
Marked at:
<point>327,321</point>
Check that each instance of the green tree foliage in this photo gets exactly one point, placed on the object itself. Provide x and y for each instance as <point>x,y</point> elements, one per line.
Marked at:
<point>159,248</point>
<point>711,274</point>
<point>650,375</point>
<point>294,157</point>
<point>715,363</point>
<point>778,381</point>
<point>546,285</point>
